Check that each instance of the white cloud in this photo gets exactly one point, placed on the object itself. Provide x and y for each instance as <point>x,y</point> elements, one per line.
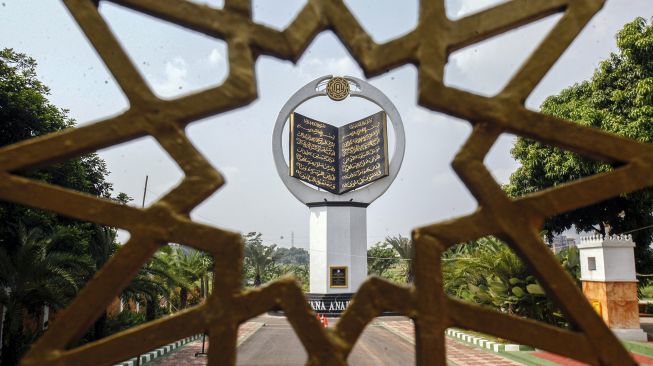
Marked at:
<point>229,171</point>
<point>214,3</point>
<point>216,57</point>
<point>469,7</point>
<point>336,66</point>
<point>175,79</point>
<point>342,66</point>
<point>487,66</point>
<point>461,8</point>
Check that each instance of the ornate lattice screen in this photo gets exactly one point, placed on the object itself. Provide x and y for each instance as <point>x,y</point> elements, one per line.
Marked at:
<point>516,221</point>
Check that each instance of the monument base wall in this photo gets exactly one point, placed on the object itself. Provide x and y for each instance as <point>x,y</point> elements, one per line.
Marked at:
<point>616,302</point>
<point>329,304</point>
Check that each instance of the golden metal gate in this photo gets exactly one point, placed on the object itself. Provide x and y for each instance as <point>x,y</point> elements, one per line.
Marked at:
<point>516,221</point>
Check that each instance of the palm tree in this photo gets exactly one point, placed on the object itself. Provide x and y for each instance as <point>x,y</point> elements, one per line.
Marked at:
<point>147,286</point>
<point>31,277</point>
<point>406,251</point>
<point>100,247</point>
<point>194,267</point>
<point>259,256</point>
<point>158,280</point>
<point>166,265</point>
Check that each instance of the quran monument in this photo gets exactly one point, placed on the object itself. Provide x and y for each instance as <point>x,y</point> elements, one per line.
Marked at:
<point>337,172</point>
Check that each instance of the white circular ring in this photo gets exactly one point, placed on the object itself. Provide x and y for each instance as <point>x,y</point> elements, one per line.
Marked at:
<point>364,195</point>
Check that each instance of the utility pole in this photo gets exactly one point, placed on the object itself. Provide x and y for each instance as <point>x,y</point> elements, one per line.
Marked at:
<point>144,192</point>
<point>292,239</point>
<point>138,305</point>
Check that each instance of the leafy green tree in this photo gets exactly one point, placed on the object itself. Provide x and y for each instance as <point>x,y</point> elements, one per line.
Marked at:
<point>260,257</point>
<point>380,258</point>
<point>406,251</point>
<point>300,271</point>
<point>569,259</point>
<point>123,198</point>
<point>619,99</point>
<point>33,274</point>
<point>25,113</point>
<point>293,255</point>
<point>25,110</point>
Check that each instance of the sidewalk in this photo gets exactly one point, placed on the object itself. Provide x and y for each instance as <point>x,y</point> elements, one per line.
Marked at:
<point>457,352</point>
<point>186,355</point>
<point>463,354</point>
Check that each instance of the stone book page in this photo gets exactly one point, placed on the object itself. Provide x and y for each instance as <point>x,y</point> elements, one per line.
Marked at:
<point>313,152</point>
<point>362,152</point>
<point>342,159</point>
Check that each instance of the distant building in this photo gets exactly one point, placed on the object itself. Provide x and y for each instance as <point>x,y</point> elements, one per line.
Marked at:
<point>561,242</point>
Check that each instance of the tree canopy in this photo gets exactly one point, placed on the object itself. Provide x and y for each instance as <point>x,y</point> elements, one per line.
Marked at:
<point>618,98</point>
<point>45,257</point>
<point>25,113</point>
<point>260,257</point>
<point>381,258</point>
<point>405,250</point>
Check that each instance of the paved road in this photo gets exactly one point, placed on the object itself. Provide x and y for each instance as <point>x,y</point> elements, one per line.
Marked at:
<point>277,344</point>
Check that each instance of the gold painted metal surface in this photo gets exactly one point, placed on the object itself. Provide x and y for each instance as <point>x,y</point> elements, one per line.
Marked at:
<point>516,221</point>
<point>337,88</point>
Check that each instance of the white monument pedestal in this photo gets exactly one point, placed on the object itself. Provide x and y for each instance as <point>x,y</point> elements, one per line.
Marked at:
<point>338,261</point>
<point>607,267</point>
<point>338,239</point>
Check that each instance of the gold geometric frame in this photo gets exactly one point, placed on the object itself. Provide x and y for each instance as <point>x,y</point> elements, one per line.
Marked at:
<point>516,221</point>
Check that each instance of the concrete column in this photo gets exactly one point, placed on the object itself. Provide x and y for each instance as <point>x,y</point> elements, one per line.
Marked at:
<point>607,266</point>
<point>338,238</point>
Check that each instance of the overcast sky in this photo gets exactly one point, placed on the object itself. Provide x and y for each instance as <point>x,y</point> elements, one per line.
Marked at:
<point>175,61</point>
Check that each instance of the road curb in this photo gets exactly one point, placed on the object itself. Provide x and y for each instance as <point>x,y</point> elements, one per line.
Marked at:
<point>256,328</point>
<point>486,343</point>
<point>161,351</point>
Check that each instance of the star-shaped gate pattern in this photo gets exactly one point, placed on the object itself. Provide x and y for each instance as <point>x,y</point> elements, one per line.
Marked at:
<point>517,221</point>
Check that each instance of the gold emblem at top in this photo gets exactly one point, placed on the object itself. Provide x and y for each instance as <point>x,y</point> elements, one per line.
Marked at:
<point>337,88</point>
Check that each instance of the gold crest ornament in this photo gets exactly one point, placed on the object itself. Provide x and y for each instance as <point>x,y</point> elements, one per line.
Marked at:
<point>337,88</point>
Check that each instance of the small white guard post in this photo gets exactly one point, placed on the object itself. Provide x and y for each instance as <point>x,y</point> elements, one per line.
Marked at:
<point>607,265</point>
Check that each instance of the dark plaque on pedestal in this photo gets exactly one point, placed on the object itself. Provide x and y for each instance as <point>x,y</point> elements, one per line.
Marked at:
<point>339,160</point>
<point>338,277</point>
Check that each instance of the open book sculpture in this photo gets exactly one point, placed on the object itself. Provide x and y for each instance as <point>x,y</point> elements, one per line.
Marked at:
<point>339,159</point>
